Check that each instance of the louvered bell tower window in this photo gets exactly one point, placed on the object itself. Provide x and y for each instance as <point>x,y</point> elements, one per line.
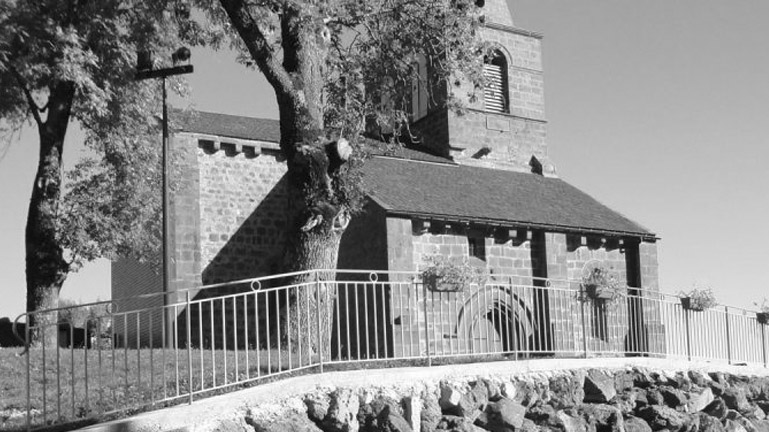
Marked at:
<point>495,91</point>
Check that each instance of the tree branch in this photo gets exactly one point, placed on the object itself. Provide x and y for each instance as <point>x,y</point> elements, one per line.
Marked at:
<point>33,107</point>
<point>257,44</point>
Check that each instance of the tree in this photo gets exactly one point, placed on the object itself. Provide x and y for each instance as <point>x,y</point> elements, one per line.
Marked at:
<point>337,67</point>
<point>71,60</point>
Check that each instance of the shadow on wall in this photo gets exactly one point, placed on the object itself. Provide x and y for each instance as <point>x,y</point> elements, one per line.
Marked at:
<point>254,249</point>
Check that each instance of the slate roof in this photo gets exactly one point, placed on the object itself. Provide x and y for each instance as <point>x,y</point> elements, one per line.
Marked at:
<point>268,130</point>
<point>458,192</point>
<point>225,125</point>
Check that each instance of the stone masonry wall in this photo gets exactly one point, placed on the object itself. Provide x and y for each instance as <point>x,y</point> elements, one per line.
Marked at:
<point>631,399</point>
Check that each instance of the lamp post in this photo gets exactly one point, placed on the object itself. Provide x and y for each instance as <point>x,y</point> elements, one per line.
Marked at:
<point>145,70</point>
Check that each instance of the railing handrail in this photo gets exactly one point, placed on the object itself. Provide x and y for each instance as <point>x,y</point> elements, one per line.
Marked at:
<point>258,280</point>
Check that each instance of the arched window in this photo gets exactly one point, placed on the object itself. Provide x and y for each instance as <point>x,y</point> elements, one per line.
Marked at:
<point>495,91</point>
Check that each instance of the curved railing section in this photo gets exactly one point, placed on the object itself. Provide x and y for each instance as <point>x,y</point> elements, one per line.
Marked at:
<point>152,350</point>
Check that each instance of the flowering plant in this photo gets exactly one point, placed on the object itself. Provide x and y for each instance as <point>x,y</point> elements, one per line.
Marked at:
<point>600,283</point>
<point>442,274</point>
<point>698,299</point>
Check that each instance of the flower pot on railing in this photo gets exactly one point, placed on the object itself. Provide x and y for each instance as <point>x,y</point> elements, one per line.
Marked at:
<point>692,304</point>
<point>436,283</point>
<point>601,293</point>
<point>762,317</point>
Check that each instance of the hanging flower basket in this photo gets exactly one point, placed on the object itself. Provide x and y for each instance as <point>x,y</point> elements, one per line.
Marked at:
<point>437,283</point>
<point>597,292</point>
<point>762,317</point>
<point>599,284</point>
<point>698,300</point>
<point>443,274</point>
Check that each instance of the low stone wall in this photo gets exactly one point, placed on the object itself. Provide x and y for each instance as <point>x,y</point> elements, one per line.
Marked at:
<point>635,400</point>
<point>623,395</point>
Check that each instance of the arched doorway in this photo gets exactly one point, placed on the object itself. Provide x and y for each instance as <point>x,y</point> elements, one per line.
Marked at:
<point>495,320</point>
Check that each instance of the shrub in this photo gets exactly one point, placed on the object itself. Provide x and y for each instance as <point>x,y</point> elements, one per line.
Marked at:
<point>599,283</point>
<point>698,299</point>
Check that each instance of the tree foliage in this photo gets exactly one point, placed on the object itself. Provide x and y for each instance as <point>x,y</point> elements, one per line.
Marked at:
<point>73,60</point>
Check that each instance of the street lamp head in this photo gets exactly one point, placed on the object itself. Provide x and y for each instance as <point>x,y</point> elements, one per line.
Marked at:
<point>143,60</point>
<point>181,55</point>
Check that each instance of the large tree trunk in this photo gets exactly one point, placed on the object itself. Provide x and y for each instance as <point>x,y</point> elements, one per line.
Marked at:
<point>45,264</point>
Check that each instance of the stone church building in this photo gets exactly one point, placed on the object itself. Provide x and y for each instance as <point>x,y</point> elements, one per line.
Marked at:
<point>479,186</point>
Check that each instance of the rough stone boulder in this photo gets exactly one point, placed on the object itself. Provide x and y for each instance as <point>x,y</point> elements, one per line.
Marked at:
<point>635,424</point>
<point>733,426</point>
<point>390,421</point>
<point>709,423</point>
<point>431,413</point>
<point>317,407</point>
<point>450,423</point>
<point>288,422</point>
<point>736,399</point>
<point>502,416</point>
<point>342,415</point>
<point>698,401</point>
<point>567,390</point>
<point>599,387</point>
<point>673,397</point>
<point>602,417</point>
<point>370,414</point>
<point>661,417</point>
<point>569,421</point>
<point>717,409</point>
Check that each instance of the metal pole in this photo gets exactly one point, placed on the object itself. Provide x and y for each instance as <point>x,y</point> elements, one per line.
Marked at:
<point>763,341</point>
<point>171,319</point>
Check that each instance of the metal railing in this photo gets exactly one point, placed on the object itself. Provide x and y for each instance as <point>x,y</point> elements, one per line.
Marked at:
<point>153,350</point>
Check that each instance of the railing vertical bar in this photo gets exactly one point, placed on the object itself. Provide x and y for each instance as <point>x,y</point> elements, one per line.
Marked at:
<point>366,321</point>
<point>152,359</point>
<point>268,331</point>
<point>138,352</point>
<point>246,340</point>
<point>224,340</point>
<point>45,378</point>
<point>201,346</point>
<point>347,318</point>
<point>100,368</point>
<point>163,337</point>
<point>72,364</point>
<point>763,342</point>
<point>427,326</point>
<point>235,336</point>
<point>125,353</point>
<point>27,348</point>
<point>175,327</point>
<point>113,380</point>
<point>338,323</point>
<point>728,336</point>
<point>213,342</point>
<point>189,348</point>
<point>376,311</point>
<point>257,336</point>
<point>403,319</point>
<point>317,320</point>
<point>385,324</point>
<point>288,320</point>
<point>357,321</point>
<point>584,329</point>
<point>277,328</point>
<point>86,342</point>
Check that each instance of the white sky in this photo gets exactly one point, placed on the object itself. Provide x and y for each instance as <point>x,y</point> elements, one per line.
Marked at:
<point>658,109</point>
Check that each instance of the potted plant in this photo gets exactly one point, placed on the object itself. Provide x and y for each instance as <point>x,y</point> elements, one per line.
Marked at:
<point>762,316</point>
<point>698,299</point>
<point>443,274</point>
<point>600,284</point>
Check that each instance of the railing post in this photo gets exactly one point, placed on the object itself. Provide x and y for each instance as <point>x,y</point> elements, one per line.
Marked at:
<point>189,351</point>
<point>427,327</point>
<point>317,314</point>
<point>728,337</point>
